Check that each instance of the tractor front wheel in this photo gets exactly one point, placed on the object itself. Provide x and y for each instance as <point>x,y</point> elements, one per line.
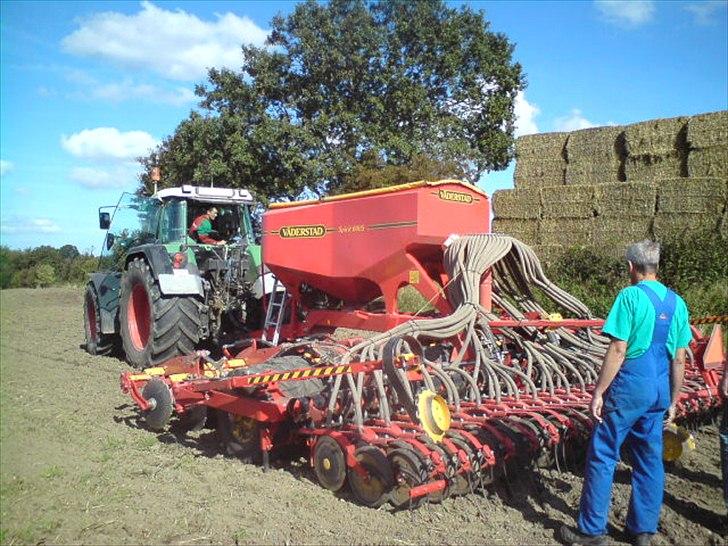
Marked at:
<point>154,327</point>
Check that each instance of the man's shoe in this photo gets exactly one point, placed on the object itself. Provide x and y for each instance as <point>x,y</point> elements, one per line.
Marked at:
<point>642,539</point>
<point>573,536</point>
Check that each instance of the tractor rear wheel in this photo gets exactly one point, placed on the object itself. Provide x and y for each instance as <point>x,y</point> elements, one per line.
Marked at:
<point>154,327</point>
<point>96,342</point>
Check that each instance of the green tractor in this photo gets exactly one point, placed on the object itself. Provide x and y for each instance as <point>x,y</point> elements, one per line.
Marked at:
<point>161,291</point>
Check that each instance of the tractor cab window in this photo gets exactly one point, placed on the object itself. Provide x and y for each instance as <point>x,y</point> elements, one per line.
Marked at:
<point>134,223</point>
<point>229,225</point>
<point>172,226</point>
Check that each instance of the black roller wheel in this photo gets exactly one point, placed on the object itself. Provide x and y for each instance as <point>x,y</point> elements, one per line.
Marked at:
<point>154,327</point>
<point>157,393</point>
<point>292,389</point>
<point>409,472</point>
<point>373,488</point>
<point>240,437</point>
<point>329,463</point>
<point>96,342</point>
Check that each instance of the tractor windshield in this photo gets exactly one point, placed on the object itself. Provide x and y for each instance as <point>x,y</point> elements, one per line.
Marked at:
<point>134,223</point>
<point>232,223</point>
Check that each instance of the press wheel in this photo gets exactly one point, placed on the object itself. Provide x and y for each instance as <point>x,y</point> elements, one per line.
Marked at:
<point>329,463</point>
<point>372,489</point>
<point>409,472</point>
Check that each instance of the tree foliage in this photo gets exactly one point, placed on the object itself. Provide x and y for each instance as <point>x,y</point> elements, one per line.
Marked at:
<point>44,266</point>
<point>347,86</point>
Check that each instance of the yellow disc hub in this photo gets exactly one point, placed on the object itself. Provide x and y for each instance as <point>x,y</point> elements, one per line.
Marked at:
<point>434,414</point>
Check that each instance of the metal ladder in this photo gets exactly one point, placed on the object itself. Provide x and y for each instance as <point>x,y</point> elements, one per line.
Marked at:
<point>275,312</point>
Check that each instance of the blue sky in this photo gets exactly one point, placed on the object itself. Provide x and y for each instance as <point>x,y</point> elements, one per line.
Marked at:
<point>85,87</point>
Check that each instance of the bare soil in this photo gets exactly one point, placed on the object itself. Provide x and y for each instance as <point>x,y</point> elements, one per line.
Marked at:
<point>77,466</point>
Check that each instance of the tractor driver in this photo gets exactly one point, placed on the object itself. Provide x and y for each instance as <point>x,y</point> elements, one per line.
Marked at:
<point>201,228</point>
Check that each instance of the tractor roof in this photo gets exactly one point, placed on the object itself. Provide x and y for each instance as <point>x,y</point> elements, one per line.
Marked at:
<point>206,195</point>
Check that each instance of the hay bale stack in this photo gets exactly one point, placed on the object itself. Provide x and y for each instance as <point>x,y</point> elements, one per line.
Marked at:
<point>521,203</point>
<point>540,160</point>
<point>594,156</point>
<point>708,162</point>
<point>708,130</point>
<point>565,232</point>
<point>525,230</point>
<point>668,225</point>
<point>656,149</point>
<point>692,196</point>
<point>627,199</point>
<point>614,233</point>
<point>568,201</point>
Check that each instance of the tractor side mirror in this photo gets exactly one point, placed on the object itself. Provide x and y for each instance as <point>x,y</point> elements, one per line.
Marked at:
<point>104,220</point>
<point>109,241</point>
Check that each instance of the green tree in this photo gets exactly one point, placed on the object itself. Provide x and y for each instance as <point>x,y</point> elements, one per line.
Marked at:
<point>351,83</point>
<point>45,275</point>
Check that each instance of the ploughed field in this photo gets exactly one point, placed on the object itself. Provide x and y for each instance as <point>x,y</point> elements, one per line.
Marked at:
<point>77,466</point>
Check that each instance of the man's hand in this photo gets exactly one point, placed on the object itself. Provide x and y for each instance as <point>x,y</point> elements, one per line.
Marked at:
<point>595,408</point>
<point>670,414</point>
<point>220,243</point>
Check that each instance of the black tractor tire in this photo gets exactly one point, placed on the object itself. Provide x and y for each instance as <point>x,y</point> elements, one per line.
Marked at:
<point>154,327</point>
<point>96,342</point>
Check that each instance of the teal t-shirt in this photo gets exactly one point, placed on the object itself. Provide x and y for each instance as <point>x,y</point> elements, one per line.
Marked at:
<point>632,319</point>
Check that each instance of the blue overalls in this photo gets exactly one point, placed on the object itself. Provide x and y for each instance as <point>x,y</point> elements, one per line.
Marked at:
<point>634,410</point>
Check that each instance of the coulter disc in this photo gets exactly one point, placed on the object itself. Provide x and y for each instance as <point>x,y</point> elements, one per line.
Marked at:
<point>409,472</point>
<point>371,490</point>
<point>157,393</point>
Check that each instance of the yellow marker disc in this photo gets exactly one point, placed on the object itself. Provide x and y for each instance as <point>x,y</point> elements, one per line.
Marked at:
<point>434,414</point>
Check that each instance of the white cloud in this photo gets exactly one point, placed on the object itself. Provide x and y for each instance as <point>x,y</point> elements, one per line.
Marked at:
<point>108,143</point>
<point>128,90</point>
<point>99,178</point>
<point>573,122</point>
<point>525,114</point>
<point>704,13</point>
<point>32,225</point>
<point>6,166</point>
<point>626,12</point>
<point>175,44</point>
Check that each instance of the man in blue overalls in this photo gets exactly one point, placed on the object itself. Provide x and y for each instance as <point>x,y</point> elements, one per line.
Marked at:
<point>638,386</point>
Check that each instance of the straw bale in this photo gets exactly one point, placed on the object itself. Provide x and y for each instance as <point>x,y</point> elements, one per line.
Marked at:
<point>525,230</point>
<point>626,199</point>
<point>656,137</point>
<point>668,225</point>
<point>595,145</point>
<point>566,232</point>
<point>670,165</point>
<point>708,162</point>
<point>586,173</point>
<point>614,233</point>
<point>550,146</point>
<point>567,202</point>
<point>708,130</point>
<point>692,195</point>
<point>536,173</point>
<point>520,203</point>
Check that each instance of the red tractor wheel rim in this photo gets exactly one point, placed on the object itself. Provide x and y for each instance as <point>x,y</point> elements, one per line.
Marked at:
<point>139,317</point>
<point>91,318</point>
